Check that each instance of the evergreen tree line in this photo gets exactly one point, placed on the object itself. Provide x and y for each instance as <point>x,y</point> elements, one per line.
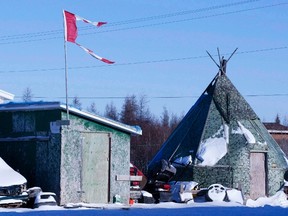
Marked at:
<point>155,130</point>
<point>135,111</point>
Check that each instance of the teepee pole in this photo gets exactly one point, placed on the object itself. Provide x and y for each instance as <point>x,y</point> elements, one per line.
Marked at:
<point>232,54</point>
<point>213,59</point>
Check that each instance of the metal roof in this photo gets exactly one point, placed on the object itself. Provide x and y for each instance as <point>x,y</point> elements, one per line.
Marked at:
<point>6,95</point>
<point>41,105</point>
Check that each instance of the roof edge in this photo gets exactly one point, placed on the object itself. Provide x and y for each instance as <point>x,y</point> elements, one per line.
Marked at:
<point>12,106</point>
<point>132,129</point>
<point>278,131</point>
<point>6,95</point>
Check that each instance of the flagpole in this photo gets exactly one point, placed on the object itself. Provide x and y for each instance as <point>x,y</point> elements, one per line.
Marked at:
<point>70,34</point>
<point>66,70</point>
<point>66,80</point>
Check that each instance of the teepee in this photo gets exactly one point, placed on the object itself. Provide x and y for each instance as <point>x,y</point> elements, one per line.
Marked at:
<point>222,140</point>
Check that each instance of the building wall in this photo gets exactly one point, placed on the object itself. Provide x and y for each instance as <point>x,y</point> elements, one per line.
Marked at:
<point>280,136</point>
<point>50,158</point>
<point>282,140</point>
<point>28,147</point>
<point>71,160</point>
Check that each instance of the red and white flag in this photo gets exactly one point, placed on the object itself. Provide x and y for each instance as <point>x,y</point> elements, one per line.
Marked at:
<point>70,27</point>
<point>71,31</point>
<point>94,55</point>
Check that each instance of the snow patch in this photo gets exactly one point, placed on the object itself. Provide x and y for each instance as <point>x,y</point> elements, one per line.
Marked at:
<point>235,195</point>
<point>146,194</point>
<point>247,134</point>
<point>183,160</point>
<point>211,150</point>
<point>9,176</point>
<point>226,132</point>
<point>286,159</point>
<point>279,199</point>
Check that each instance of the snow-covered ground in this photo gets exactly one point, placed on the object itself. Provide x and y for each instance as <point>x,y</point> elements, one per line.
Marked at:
<point>161,209</point>
<point>274,205</point>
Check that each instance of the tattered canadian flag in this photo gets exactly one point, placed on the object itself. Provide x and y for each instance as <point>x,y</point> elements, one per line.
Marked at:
<point>71,32</point>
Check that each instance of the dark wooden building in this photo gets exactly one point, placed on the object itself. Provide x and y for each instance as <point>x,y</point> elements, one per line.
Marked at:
<point>280,133</point>
<point>85,161</point>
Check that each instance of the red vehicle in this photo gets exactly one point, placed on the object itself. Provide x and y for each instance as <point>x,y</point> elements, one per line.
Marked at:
<point>137,182</point>
<point>134,171</point>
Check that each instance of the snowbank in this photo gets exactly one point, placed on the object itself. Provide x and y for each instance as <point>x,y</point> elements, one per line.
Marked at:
<point>279,199</point>
<point>9,177</point>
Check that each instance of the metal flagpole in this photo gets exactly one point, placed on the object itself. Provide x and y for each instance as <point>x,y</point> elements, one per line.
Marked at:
<point>66,71</point>
<point>66,80</point>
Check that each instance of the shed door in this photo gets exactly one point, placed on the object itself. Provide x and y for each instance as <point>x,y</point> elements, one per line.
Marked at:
<point>257,175</point>
<point>95,167</point>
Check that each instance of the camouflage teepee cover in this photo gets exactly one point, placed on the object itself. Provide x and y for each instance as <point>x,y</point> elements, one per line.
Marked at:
<point>214,141</point>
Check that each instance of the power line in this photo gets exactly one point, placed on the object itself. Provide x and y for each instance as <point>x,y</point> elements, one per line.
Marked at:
<point>157,97</point>
<point>142,62</point>
<point>188,19</point>
<point>39,34</point>
<point>179,13</point>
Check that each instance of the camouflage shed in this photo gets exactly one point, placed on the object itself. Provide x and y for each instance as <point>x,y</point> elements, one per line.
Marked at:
<point>221,140</point>
<point>86,161</point>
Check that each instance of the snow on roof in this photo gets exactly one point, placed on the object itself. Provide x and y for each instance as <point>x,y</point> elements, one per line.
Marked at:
<point>247,134</point>
<point>6,95</point>
<point>57,105</point>
<point>8,176</point>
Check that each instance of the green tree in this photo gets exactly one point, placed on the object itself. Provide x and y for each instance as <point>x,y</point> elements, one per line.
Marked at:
<point>77,103</point>
<point>93,108</point>
<point>27,95</point>
<point>129,110</point>
<point>111,111</point>
<point>277,119</point>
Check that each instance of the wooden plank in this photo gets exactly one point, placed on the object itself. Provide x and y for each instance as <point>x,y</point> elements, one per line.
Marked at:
<point>95,172</point>
<point>135,178</point>
<point>257,175</point>
<point>128,178</point>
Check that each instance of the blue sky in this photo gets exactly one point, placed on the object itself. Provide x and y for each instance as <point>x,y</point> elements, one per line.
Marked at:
<point>159,48</point>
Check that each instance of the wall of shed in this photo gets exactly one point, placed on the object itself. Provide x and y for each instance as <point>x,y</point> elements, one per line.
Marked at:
<point>28,147</point>
<point>52,160</point>
<point>71,159</point>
